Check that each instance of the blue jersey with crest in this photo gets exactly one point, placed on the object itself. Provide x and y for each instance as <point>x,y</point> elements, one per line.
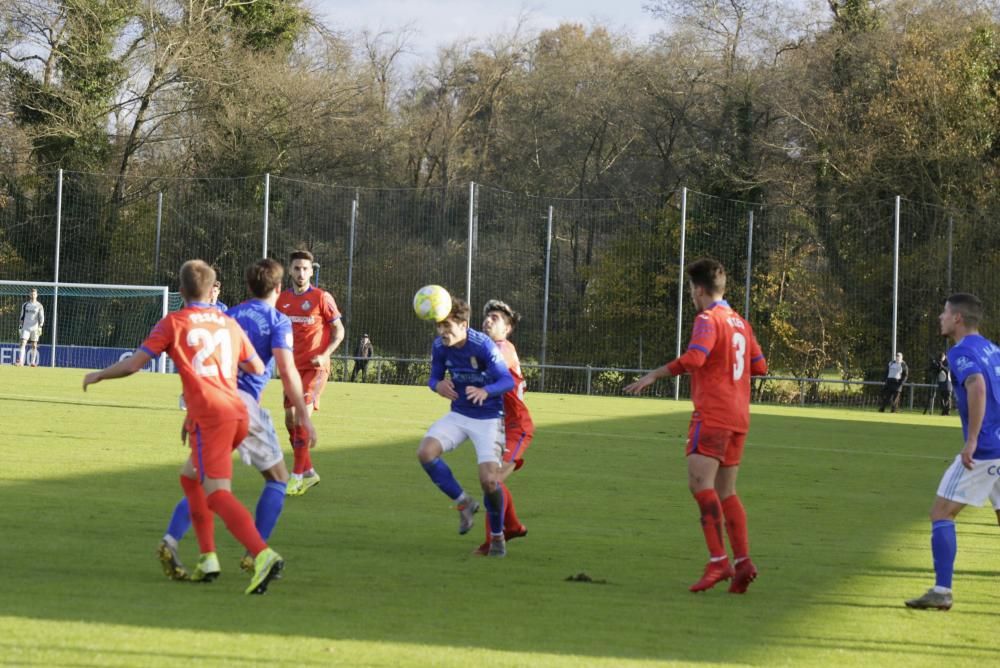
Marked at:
<point>267,329</point>
<point>973,355</point>
<point>476,363</point>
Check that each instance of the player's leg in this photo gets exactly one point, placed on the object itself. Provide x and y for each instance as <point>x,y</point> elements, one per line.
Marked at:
<point>488,439</point>
<point>201,515</point>
<point>705,450</point>
<point>35,358</point>
<point>25,334</point>
<point>444,436</point>
<point>303,475</point>
<point>262,450</point>
<point>735,515</point>
<point>513,459</point>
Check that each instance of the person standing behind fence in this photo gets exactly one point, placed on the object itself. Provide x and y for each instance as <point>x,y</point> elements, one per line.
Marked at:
<point>895,377</point>
<point>362,356</point>
<point>721,357</point>
<point>29,325</point>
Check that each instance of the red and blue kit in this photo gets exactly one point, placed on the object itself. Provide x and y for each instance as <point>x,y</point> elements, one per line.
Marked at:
<point>722,355</point>
<point>311,312</point>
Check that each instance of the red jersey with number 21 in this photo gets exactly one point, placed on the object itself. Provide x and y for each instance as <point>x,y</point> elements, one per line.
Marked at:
<point>206,347</point>
<point>722,355</point>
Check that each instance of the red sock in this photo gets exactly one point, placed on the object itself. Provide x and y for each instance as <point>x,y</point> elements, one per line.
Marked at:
<point>299,451</point>
<point>711,521</point>
<point>238,520</point>
<point>736,526</point>
<point>510,520</point>
<point>201,516</point>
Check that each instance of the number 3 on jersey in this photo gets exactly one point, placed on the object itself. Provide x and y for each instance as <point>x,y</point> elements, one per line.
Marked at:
<point>206,343</point>
<point>740,346</point>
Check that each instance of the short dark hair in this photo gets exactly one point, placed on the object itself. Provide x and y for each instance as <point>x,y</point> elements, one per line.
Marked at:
<point>969,305</point>
<point>263,276</point>
<point>300,255</point>
<point>510,315</point>
<point>460,310</point>
<point>708,274</point>
<point>196,279</point>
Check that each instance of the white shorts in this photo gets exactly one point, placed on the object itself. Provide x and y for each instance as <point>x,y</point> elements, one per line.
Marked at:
<point>30,334</point>
<point>260,449</point>
<point>487,435</point>
<point>972,488</point>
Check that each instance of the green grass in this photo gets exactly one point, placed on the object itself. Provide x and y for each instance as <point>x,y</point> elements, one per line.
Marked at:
<point>378,576</point>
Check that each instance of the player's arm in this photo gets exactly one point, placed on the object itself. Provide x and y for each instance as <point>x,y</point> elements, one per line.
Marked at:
<point>41,316</point>
<point>497,370</point>
<point>119,369</point>
<point>437,382</point>
<point>975,388</point>
<point>702,341</point>
<point>292,384</point>
<point>331,316</point>
<point>20,318</point>
<point>758,365</point>
<point>250,362</point>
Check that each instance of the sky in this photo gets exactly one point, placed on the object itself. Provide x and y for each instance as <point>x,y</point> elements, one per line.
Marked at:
<point>438,22</point>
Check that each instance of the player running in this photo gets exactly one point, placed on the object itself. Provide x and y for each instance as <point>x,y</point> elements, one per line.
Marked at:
<point>721,356</point>
<point>207,348</point>
<point>29,325</point>
<point>270,333</point>
<point>478,377</point>
<point>317,330</point>
<point>499,321</point>
<point>972,478</point>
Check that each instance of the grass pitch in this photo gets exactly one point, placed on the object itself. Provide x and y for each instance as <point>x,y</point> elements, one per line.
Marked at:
<point>378,576</point>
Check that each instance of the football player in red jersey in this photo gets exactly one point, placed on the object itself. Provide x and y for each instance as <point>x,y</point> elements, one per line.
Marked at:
<point>721,356</point>
<point>499,320</point>
<point>207,347</point>
<point>317,330</point>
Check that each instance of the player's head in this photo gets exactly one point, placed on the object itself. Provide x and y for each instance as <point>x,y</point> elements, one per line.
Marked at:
<point>300,267</point>
<point>33,295</point>
<point>499,320</point>
<point>962,313</point>
<point>899,357</point>
<point>216,289</point>
<point>264,278</point>
<point>197,278</point>
<point>454,329</point>
<point>707,281</point>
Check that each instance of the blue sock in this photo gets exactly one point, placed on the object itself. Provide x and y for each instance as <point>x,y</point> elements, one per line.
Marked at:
<point>443,478</point>
<point>180,522</point>
<point>269,507</point>
<point>494,510</point>
<point>944,546</point>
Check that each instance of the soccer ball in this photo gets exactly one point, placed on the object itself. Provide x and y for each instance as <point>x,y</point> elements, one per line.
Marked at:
<point>432,302</point>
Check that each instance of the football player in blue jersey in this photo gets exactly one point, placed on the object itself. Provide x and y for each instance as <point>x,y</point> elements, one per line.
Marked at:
<point>468,369</point>
<point>974,476</point>
<point>270,332</point>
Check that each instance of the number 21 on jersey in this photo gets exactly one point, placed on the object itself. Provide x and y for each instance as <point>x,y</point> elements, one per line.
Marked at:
<point>206,343</point>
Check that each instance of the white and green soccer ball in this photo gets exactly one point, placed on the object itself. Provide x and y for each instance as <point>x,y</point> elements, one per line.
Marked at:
<point>432,303</point>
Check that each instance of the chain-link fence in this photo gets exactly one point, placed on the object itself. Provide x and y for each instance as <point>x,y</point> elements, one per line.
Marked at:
<point>833,291</point>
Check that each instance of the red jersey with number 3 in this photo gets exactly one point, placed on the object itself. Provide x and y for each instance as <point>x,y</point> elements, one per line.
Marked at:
<point>515,413</point>
<point>722,355</point>
<point>206,347</point>
<point>311,314</point>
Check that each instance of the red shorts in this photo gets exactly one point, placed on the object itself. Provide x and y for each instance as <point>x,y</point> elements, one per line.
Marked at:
<point>313,382</point>
<point>517,444</point>
<point>212,446</point>
<point>721,444</point>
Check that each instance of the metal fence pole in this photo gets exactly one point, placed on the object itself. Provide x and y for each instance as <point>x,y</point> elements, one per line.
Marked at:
<point>895,276</point>
<point>350,282</point>
<point>680,286</point>
<point>165,308</point>
<point>468,258</point>
<point>159,223</point>
<point>267,209</point>
<point>55,288</point>
<point>746,292</point>
<point>951,230</point>
<point>545,303</point>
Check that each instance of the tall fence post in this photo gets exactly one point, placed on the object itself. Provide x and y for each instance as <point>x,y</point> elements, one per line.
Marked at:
<point>680,287</point>
<point>267,209</point>
<point>159,223</point>
<point>55,288</point>
<point>951,231</point>
<point>895,276</point>
<point>468,258</point>
<point>164,309</point>
<point>350,282</point>
<point>545,303</point>
<point>746,291</point>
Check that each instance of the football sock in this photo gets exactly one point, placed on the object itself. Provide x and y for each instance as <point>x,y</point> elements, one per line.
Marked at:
<point>237,519</point>
<point>300,451</point>
<point>269,507</point>
<point>711,521</point>
<point>22,353</point>
<point>944,546</point>
<point>201,515</point>
<point>442,476</point>
<point>736,526</point>
<point>180,521</point>
<point>494,510</point>
<point>510,519</point>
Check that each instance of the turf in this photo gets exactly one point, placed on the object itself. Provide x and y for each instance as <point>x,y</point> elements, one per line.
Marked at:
<point>378,576</point>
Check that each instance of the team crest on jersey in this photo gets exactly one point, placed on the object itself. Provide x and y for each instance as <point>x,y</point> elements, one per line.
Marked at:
<point>474,362</point>
<point>306,305</point>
